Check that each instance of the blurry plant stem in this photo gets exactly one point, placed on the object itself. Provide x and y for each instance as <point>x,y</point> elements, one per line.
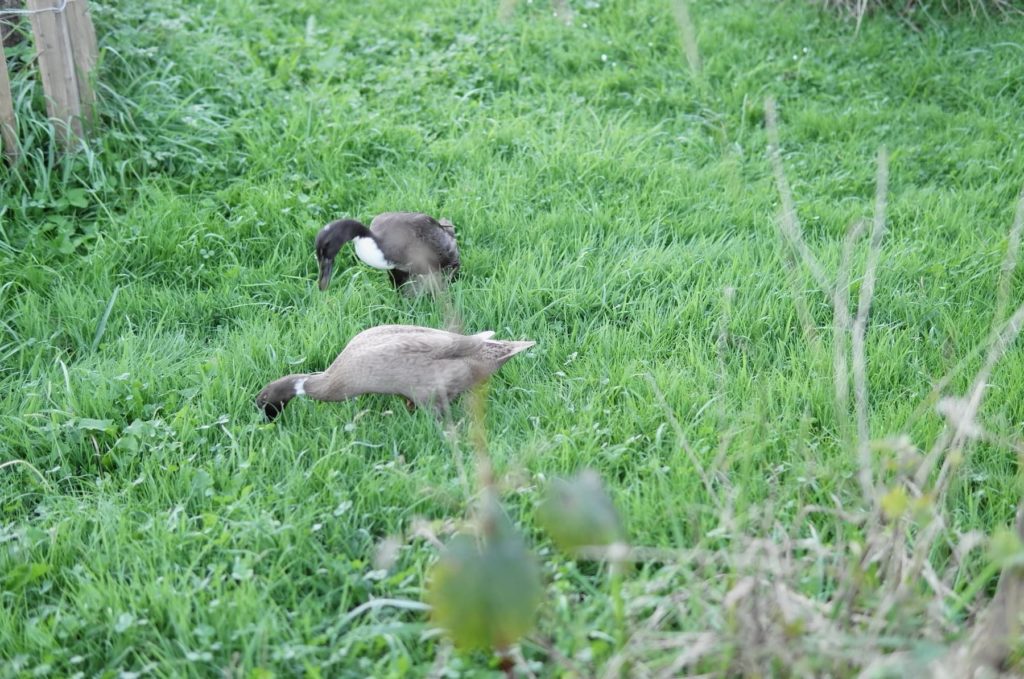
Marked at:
<point>506,661</point>
<point>617,566</point>
<point>619,605</point>
<point>478,435</point>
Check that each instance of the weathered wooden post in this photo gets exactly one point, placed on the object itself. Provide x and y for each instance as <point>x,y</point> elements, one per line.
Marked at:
<point>57,69</point>
<point>66,52</point>
<point>8,131</point>
<point>85,52</point>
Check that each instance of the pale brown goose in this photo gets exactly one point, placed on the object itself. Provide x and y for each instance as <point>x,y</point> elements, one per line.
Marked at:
<point>428,367</point>
<point>404,243</point>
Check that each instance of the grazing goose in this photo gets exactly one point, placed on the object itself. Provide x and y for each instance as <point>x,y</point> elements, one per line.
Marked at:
<point>405,243</point>
<point>428,367</point>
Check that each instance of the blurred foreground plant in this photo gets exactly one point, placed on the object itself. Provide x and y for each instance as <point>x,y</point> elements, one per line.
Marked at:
<point>578,513</point>
<point>581,519</point>
<point>485,588</point>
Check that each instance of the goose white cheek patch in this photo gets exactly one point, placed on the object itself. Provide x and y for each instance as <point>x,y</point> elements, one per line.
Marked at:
<point>300,387</point>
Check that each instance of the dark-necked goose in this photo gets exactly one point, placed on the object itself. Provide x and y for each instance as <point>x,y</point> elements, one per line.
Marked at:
<point>404,243</point>
<point>428,367</point>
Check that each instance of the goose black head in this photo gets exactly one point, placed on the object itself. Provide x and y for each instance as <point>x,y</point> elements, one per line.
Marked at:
<point>329,242</point>
<point>275,396</point>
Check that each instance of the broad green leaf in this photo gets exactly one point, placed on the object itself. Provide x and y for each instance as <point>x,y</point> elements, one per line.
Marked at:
<point>89,424</point>
<point>578,513</point>
<point>77,197</point>
<point>485,592</point>
<point>24,574</point>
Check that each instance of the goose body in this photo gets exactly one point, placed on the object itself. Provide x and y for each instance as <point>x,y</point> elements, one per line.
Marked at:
<point>403,243</point>
<point>428,367</point>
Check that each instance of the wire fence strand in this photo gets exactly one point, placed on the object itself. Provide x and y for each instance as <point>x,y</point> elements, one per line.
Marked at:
<point>26,12</point>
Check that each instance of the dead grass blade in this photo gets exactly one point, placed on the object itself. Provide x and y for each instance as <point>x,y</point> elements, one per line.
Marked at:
<point>1009,264</point>
<point>789,227</point>
<point>688,34</point>
<point>788,220</point>
<point>867,291</point>
<point>842,326</point>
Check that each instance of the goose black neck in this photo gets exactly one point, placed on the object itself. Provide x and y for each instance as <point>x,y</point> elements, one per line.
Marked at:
<point>347,229</point>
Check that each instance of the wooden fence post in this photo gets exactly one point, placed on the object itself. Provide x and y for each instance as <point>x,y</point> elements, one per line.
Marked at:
<point>8,131</point>
<point>57,68</point>
<point>84,51</point>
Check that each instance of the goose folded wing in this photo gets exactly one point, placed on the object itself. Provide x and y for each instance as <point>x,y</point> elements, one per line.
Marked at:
<point>439,347</point>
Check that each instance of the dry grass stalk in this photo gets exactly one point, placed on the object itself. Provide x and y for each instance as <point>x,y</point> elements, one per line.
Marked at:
<point>986,650</point>
<point>444,654</point>
<point>965,421</point>
<point>962,428</point>
<point>789,227</point>
<point>961,413</point>
<point>842,323</point>
<point>688,34</point>
<point>965,426</point>
<point>1009,264</point>
<point>1002,301</point>
<point>906,562</point>
<point>788,220</point>
<point>867,291</point>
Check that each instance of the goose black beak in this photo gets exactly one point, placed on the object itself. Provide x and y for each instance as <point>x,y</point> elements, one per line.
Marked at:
<point>326,266</point>
<point>271,411</point>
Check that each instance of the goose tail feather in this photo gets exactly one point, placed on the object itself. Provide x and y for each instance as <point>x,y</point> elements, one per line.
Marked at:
<point>509,348</point>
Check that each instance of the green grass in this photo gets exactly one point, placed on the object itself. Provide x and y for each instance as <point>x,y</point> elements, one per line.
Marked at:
<point>604,198</point>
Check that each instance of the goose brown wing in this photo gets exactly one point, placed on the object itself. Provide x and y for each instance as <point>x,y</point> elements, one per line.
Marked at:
<point>415,241</point>
<point>437,346</point>
<point>442,240</point>
<point>413,339</point>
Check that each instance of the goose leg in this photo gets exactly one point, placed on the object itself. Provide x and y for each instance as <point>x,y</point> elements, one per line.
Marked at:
<point>436,402</point>
<point>398,277</point>
<point>439,403</point>
<point>441,410</point>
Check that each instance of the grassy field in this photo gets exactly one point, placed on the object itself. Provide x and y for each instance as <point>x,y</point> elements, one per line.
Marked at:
<point>613,204</point>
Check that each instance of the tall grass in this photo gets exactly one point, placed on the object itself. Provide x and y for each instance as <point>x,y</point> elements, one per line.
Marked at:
<point>881,601</point>
<point>789,358</point>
